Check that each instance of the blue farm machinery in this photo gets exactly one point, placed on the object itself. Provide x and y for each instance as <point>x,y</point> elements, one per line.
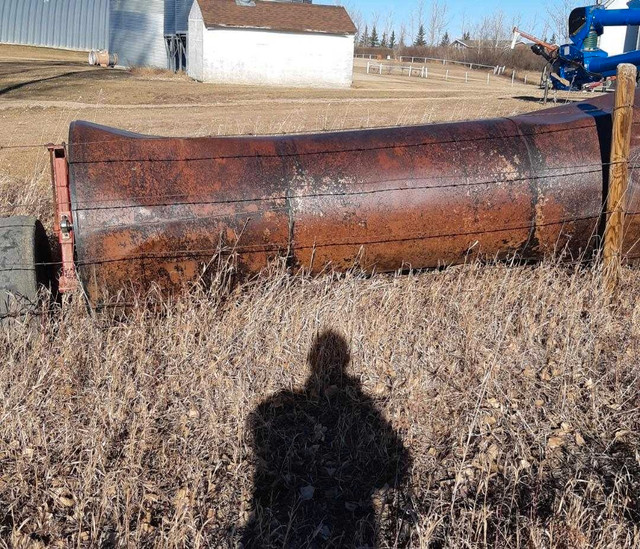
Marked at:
<point>581,63</point>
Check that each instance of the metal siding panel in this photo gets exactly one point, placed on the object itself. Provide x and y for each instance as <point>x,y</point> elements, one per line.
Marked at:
<point>183,7</point>
<point>69,24</point>
<point>169,16</point>
<point>8,14</point>
<point>34,29</point>
<point>54,35</point>
<point>9,29</point>
<point>5,13</point>
<point>13,29</point>
<point>85,23</point>
<point>137,32</point>
<point>76,21</point>
<point>38,31</point>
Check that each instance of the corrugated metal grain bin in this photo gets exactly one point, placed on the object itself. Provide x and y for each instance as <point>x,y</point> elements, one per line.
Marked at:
<point>68,24</point>
<point>136,33</point>
<point>134,29</point>
<point>169,16</point>
<point>183,7</point>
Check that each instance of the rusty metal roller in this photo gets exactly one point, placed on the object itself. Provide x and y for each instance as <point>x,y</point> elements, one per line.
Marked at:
<point>151,210</point>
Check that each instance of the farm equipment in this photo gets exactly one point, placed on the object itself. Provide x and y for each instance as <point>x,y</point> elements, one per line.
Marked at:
<point>140,212</point>
<point>581,63</point>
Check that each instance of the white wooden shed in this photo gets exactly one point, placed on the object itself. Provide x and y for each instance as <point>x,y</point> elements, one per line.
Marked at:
<point>270,43</point>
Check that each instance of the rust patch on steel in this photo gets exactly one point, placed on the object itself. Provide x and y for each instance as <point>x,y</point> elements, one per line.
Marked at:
<point>154,210</point>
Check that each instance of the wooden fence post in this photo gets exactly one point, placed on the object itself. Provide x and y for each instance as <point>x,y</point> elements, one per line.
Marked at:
<point>618,172</point>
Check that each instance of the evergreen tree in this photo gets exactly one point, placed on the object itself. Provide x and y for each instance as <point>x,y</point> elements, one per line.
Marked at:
<point>384,43</point>
<point>374,41</point>
<point>553,39</point>
<point>466,35</point>
<point>445,40</point>
<point>420,37</point>
<point>392,40</point>
<point>364,39</point>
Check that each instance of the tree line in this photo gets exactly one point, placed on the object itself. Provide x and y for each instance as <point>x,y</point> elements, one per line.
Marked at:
<point>429,25</point>
<point>426,32</point>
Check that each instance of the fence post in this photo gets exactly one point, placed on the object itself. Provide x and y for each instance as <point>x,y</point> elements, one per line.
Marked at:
<point>380,68</point>
<point>446,75</point>
<point>525,78</point>
<point>410,70</point>
<point>368,65</point>
<point>487,78</point>
<point>466,77</point>
<point>513,77</point>
<point>618,172</point>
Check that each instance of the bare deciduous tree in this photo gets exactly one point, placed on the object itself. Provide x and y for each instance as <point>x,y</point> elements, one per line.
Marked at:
<point>492,31</point>
<point>417,18</point>
<point>388,23</point>
<point>402,36</point>
<point>558,13</point>
<point>356,17</point>
<point>437,21</point>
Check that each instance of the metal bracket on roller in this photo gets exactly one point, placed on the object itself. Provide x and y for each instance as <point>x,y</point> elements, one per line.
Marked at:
<point>63,221</point>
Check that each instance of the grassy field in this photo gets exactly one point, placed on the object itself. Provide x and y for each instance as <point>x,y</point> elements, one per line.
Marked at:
<point>481,406</point>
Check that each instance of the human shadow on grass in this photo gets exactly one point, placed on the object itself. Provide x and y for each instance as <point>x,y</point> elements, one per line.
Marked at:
<point>323,457</point>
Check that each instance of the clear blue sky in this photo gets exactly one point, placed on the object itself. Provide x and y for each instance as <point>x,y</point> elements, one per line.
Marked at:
<point>468,12</point>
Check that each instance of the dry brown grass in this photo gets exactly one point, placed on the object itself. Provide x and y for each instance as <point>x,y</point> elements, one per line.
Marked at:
<point>514,390</point>
<point>154,73</point>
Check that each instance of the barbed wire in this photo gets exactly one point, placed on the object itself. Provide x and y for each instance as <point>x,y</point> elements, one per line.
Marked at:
<point>134,137</point>
<point>328,194</point>
<point>290,246</point>
<point>156,200</point>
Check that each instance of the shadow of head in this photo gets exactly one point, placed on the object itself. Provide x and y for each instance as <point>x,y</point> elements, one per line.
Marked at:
<point>328,358</point>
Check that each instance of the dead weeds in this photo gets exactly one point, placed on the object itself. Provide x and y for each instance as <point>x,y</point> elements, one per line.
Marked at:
<point>513,392</point>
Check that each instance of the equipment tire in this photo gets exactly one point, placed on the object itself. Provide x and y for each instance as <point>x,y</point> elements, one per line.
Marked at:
<point>24,254</point>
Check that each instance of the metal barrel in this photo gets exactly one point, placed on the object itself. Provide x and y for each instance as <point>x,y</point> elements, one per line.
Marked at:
<point>155,211</point>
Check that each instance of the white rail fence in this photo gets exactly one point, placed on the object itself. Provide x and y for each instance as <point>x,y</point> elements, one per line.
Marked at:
<point>423,71</point>
<point>497,69</point>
